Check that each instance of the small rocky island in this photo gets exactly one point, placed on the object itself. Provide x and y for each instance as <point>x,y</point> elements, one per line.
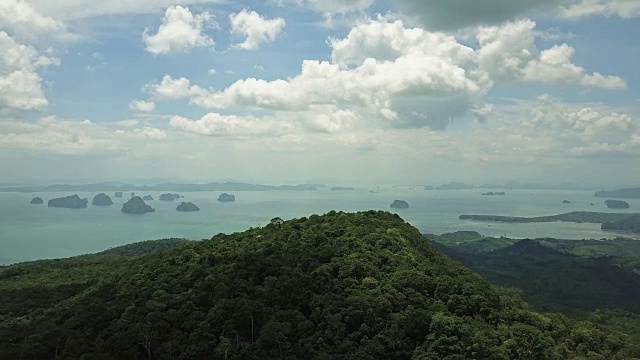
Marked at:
<point>118,194</point>
<point>70,202</point>
<point>133,194</point>
<point>37,201</point>
<point>169,197</point>
<point>341,188</point>
<point>224,197</point>
<point>566,202</point>
<point>491,193</point>
<point>136,205</point>
<point>400,204</point>
<point>187,206</point>
<point>147,198</point>
<point>101,199</point>
<point>616,204</point>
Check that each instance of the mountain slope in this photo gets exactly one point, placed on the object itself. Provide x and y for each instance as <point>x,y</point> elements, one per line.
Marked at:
<point>338,286</point>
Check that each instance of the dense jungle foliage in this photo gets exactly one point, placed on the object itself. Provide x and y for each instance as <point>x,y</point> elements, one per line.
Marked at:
<point>340,286</point>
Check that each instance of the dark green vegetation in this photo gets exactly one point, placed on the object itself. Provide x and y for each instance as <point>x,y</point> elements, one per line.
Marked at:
<point>575,216</point>
<point>224,197</point>
<point>628,193</point>
<point>341,188</point>
<point>37,201</point>
<point>71,201</point>
<point>102,199</point>
<point>187,206</point>
<point>339,286</point>
<point>497,193</point>
<point>629,223</point>
<point>168,197</point>
<point>399,204</point>
<point>616,204</point>
<point>214,186</point>
<point>147,198</point>
<point>597,280</point>
<point>136,205</point>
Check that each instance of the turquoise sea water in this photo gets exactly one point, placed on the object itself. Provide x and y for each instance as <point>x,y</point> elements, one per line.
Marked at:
<point>29,232</point>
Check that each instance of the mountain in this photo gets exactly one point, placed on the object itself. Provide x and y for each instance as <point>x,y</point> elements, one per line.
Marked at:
<point>213,186</point>
<point>339,286</point>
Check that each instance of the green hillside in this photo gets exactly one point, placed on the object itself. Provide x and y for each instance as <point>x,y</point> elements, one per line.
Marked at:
<point>338,286</point>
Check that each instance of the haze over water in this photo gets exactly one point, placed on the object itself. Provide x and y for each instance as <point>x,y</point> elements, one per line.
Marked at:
<point>29,232</point>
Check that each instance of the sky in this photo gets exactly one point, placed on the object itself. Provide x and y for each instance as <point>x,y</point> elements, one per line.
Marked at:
<point>292,91</point>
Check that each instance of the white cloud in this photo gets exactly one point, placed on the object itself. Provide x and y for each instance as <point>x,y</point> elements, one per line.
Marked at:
<point>214,124</point>
<point>258,67</point>
<point>212,72</point>
<point>406,77</point>
<point>20,84</point>
<point>142,106</point>
<point>509,53</point>
<point>256,29</point>
<point>180,31</point>
<point>625,9</point>
<point>171,89</point>
<point>52,135</point>
<point>24,21</point>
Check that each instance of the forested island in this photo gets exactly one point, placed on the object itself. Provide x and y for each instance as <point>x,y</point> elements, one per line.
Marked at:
<point>136,205</point>
<point>339,286</point>
<point>629,223</point>
<point>497,193</point>
<point>341,188</point>
<point>187,207</point>
<point>71,202</point>
<point>37,201</point>
<point>575,217</point>
<point>616,204</point>
<point>168,197</point>
<point>224,197</point>
<point>102,199</point>
<point>627,193</point>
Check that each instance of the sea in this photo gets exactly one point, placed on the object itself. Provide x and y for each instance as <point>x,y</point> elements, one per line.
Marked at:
<point>31,232</point>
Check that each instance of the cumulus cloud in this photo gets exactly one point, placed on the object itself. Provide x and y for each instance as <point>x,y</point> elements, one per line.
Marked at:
<point>509,53</point>
<point>256,29</point>
<point>20,83</point>
<point>142,106</point>
<point>458,14</point>
<point>180,31</point>
<point>625,9</point>
<point>406,77</point>
<point>24,21</point>
<point>171,89</point>
<point>214,124</point>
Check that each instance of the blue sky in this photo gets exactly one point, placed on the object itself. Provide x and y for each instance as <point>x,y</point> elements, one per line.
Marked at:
<point>419,91</point>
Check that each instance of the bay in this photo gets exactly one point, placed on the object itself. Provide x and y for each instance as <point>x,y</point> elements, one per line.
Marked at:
<point>30,232</point>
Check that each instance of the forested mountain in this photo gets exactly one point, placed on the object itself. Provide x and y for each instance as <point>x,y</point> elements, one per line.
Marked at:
<point>339,286</point>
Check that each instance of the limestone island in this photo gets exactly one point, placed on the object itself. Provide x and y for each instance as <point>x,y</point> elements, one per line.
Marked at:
<point>37,201</point>
<point>341,188</point>
<point>70,202</point>
<point>136,205</point>
<point>187,206</point>
<point>147,198</point>
<point>118,194</point>
<point>133,194</point>
<point>169,197</point>
<point>400,204</point>
<point>224,197</point>
<point>616,204</point>
<point>101,199</point>
<point>566,202</point>
<point>629,223</point>
<point>491,193</point>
